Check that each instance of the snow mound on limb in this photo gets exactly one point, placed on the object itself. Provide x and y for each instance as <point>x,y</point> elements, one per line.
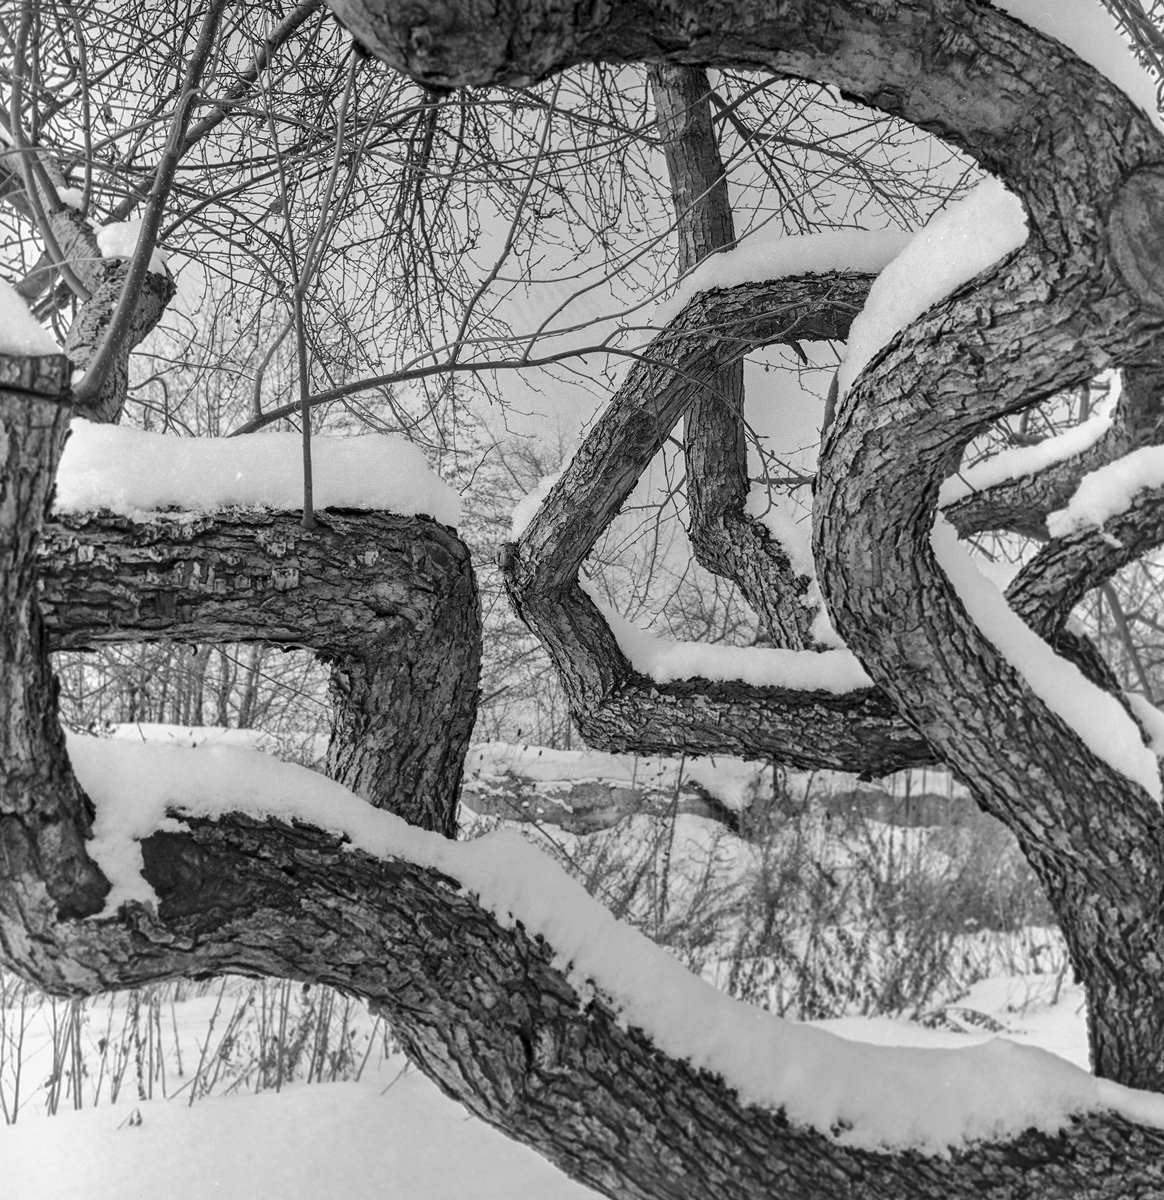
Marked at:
<point>119,240</point>
<point>867,1096</point>
<point>1019,462</point>
<point>132,472</point>
<point>526,508</point>
<point>665,660</point>
<point>1109,490</point>
<point>959,242</point>
<point>803,254</point>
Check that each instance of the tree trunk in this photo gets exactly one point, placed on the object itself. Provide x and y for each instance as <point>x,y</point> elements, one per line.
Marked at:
<point>1082,295</point>
<point>725,540</point>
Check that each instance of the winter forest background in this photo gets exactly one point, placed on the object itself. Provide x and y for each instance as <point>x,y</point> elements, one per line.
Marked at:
<point>300,292</point>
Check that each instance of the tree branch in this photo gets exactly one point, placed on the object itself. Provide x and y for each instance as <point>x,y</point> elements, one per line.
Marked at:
<point>1022,505</point>
<point>91,384</point>
<point>389,602</point>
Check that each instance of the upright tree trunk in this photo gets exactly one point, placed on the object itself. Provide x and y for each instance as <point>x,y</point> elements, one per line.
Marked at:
<point>725,540</point>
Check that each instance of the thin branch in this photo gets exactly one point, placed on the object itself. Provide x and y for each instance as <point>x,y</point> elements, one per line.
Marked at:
<point>94,377</point>
<point>28,162</point>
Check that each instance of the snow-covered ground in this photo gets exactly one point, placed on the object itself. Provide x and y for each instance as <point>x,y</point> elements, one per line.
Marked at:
<point>389,1137</point>
<point>392,1135</point>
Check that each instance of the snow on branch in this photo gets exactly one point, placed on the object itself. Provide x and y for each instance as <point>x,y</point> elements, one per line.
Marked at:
<point>120,239</point>
<point>21,334</point>
<point>804,254</point>
<point>866,1096</point>
<point>666,660</point>
<point>1108,491</point>
<point>131,472</point>
<point>1096,716</point>
<point>962,240</point>
<point>1020,462</point>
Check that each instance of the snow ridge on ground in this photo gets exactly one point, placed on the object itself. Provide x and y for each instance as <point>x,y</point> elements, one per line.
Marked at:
<point>392,1137</point>
<point>732,781</point>
<point>876,1096</point>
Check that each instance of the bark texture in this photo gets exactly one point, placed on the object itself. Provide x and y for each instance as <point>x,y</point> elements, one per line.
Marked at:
<point>389,602</point>
<point>1022,505</point>
<point>614,707</point>
<point>95,315</point>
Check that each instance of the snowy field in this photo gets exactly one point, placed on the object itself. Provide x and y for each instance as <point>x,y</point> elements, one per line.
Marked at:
<point>392,1134</point>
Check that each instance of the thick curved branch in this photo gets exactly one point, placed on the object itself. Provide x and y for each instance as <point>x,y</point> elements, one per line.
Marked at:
<point>389,602</point>
<point>614,707</point>
<point>481,1006</point>
<point>489,1015</point>
<point>1076,816</point>
<point>1059,309</point>
<point>1051,315</point>
<point>618,709</point>
<point>1087,293</point>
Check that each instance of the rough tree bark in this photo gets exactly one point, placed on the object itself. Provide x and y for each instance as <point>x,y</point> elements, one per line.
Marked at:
<point>389,602</point>
<point>1022,505</point>
<point>1078,297</point>
<point>614,707</point>
<point>481,1007</point>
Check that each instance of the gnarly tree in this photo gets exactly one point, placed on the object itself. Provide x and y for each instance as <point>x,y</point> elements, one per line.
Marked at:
<point>403,648</point>
<point>483,1008</point>
<point>901,431</point>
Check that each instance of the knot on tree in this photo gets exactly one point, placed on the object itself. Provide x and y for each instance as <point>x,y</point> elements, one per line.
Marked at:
<point>1136,235</point>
